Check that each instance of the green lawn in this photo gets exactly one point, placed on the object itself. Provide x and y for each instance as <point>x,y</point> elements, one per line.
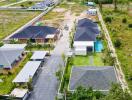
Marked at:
<point>12,20</point>
<point>90,60</point>
<point>7,85</point>
<point>120,30</point>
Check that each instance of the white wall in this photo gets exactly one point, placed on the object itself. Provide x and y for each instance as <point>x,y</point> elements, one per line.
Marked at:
<point>80,47</point>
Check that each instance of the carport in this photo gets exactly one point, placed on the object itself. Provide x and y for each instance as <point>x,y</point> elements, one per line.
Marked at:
<point>28,72</point>
<point>38,55</point>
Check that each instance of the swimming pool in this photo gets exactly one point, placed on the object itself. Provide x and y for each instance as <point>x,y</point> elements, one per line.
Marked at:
<point>98,46</point>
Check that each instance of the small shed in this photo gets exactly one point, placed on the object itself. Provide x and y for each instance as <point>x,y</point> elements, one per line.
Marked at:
<point>39,55</point>
<point>21,94</point>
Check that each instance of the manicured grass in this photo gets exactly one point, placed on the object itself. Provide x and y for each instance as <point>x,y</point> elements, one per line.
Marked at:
<point>12,20</point>
<point>90,60</point>
<point>120,30</point>
<point>7,85</point>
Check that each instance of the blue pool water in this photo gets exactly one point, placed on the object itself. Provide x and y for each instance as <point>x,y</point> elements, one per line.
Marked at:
<point>98,46</point>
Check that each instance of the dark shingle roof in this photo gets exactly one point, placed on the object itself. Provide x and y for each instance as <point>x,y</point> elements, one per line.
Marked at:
<point>88,24</point>
<point>35,32</point>
<point>84,34</point>
<point>99,78</point>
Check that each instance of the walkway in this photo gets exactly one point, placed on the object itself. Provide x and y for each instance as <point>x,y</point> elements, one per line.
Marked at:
<point>46,84</point>
<point>120,74</point>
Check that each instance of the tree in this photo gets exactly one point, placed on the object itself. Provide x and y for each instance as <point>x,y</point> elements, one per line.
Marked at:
<point>117,43</point>
<point>63,58</point>
<point>115,4</point>
<point>1,44</point>
<point>59,72</point>
<point>22,5</point>
<point>84,94</point>
<point>117,93</point>
<point>49,44</point>
<point>29,85</point>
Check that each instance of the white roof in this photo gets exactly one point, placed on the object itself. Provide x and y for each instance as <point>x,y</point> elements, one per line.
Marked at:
<point>79,43</point>
<point>94,10</point>
<point>39,55</point>
<point>13,46</point>
<point>19,92</point>
<point>50,36</point>
<point>27,72</point>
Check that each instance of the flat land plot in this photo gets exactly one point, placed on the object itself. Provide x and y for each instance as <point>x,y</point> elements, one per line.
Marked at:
<point>25,4</point>
<point>54,19</point>
<point>6,2</point>
<point>12,20</point>
<point>75,7</point>
<point>121,31</point>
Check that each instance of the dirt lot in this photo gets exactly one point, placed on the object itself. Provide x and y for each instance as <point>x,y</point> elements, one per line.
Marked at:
<point>12,20</point>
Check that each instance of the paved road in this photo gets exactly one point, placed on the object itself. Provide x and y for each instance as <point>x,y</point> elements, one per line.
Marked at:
<point>46,84</point>
<point>119,71</point>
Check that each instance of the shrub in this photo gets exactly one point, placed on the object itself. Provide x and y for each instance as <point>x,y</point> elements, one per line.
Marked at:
<point>117,43</point>
<point>1,44</point>
<point>124,20</point>
<point>108,19</point>
<point>130,25</point>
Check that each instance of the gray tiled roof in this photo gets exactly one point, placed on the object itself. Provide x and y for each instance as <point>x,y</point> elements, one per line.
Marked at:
<point>84,34</point>
<point>8,56</point>
<point>99,78</point>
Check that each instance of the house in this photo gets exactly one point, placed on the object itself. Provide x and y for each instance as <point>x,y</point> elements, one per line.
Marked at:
<point>37,34</point>
<point>84,41</point>
<point>92,11</point>
<point>28,72</point>
<point>85,37</point>
<point>99,78</point>
<point>10,54</point>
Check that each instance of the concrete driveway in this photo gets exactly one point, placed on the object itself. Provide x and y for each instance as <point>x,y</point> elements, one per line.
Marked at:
<point>46,85</point>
